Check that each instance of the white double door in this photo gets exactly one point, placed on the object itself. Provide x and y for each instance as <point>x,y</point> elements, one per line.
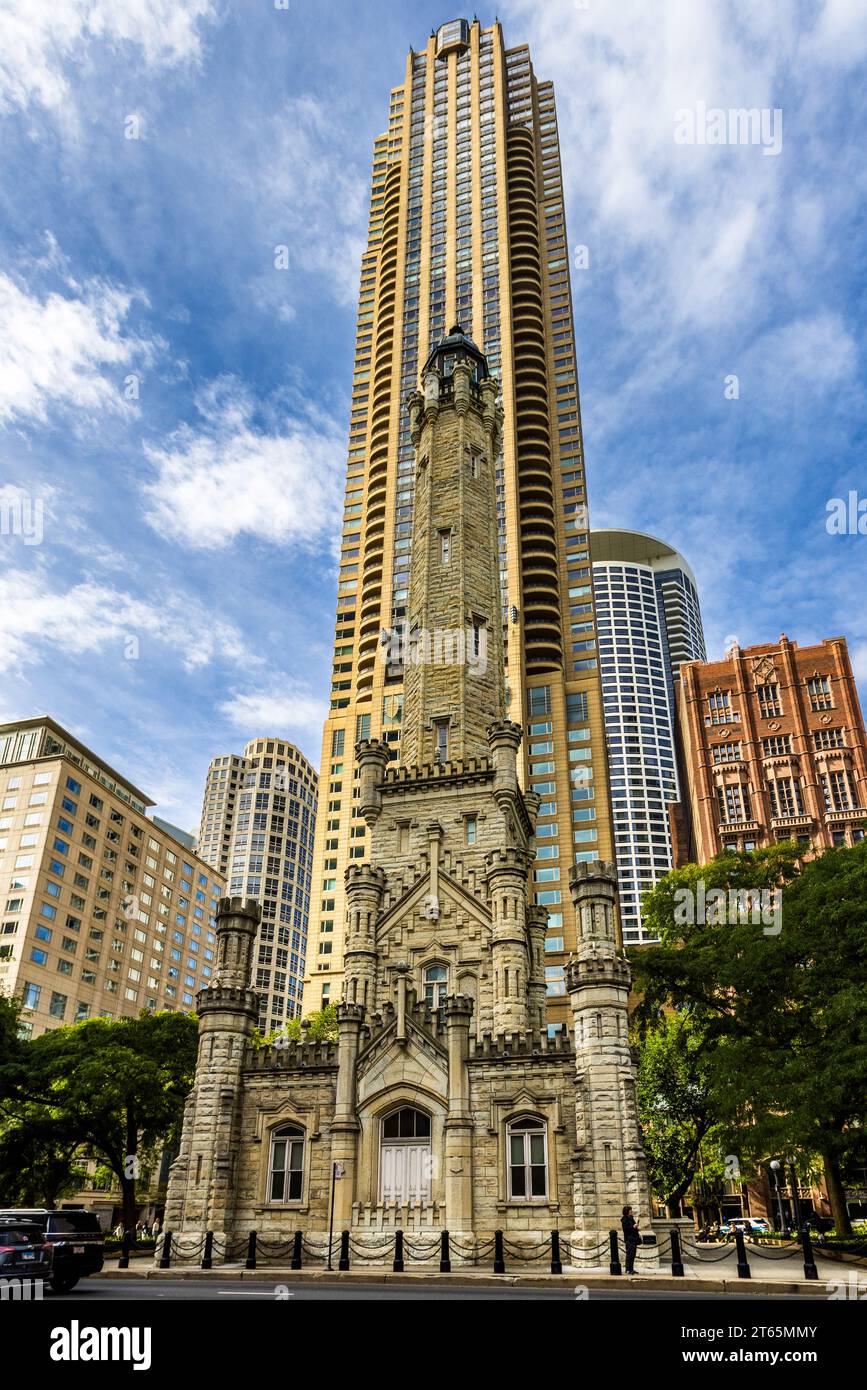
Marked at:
<point>405,1172</point>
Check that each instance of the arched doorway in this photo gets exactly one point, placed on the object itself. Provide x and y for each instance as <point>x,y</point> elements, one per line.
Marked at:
<point>405,1156</point>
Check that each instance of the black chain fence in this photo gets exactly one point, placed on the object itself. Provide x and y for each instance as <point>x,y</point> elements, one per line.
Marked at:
<point>427,1250</point>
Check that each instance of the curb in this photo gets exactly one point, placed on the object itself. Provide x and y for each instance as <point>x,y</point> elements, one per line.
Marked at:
<point>274,1274</point>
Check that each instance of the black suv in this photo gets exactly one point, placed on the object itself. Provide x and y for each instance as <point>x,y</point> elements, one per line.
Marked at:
<point>73,1237</point>
<point>23,1253</point>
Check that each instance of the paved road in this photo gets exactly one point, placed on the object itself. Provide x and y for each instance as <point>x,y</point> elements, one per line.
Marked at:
<point>153,1290</point>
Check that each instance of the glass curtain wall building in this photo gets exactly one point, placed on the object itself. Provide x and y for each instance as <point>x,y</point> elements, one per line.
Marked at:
<point>649,622</point>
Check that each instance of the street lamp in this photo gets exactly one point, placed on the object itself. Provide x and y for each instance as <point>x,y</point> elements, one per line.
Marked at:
<point>775,1169</point>
<point>796,1198</point>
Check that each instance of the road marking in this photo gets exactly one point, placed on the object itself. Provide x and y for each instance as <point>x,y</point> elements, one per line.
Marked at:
<point>253,1293</point>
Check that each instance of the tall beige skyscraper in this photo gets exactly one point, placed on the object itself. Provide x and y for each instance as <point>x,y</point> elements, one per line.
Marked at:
<point>467,227</point>
<point>103,912</point>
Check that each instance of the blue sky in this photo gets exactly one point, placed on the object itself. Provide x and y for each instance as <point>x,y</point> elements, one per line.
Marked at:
<point>198,516</point>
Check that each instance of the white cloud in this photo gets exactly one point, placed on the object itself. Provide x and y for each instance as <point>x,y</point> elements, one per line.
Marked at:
<point>66,351</point>
<point>36,617</point>
<point>230,477</point>
<point>694,237</point>
<point>806,357</point>
<point>38,37</point>
<point>840,34</point>
<point>311,198</point>
<point>286,711</point>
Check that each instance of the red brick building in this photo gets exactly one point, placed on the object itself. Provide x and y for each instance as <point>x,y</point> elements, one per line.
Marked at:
<point>774,748</point>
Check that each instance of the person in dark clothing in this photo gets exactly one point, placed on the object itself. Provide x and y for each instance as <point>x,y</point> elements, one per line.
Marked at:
<point>631,1238</point>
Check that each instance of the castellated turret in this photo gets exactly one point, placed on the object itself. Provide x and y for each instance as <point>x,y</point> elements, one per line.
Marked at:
<point>453,650</point>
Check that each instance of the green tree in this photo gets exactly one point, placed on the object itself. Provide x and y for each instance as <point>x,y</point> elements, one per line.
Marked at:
<point>320,1026</point>
<point>784,1015</point>
<point>38,1158</point>
<point>118,1087</point>
<point>678,1108</point>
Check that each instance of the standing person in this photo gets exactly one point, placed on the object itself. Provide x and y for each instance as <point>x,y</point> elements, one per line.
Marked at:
<point>156,1228</point>
<point>631,1238</point>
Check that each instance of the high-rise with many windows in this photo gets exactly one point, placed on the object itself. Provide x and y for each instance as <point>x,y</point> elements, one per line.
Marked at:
<point>467,227</point>
<point>257,827</point>
<point>103,912</point>
<point>774,747</point>
<point>649,622</point>
<point>222,787</point>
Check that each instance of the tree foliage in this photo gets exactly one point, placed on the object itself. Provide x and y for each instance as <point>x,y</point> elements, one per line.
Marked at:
<point>117,1087</point>
<point>678,1108</point>
<point>783,1017</point>
<point>320,1026</point>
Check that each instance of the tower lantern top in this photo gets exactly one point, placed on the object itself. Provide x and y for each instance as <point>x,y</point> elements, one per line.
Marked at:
<point>457,346</point>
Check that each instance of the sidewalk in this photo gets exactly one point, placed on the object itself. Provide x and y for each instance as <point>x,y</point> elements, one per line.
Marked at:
<point>778,1276</point>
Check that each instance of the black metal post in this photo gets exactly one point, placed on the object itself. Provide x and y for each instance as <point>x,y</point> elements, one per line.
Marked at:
<point>676,1255</point>
<point>207,1258</point>
<point>398,1252</point>
<point>250,1262</point>
<point>499,1257</point>
<point>556,1263</point>
<point>125,1246</point>
<point>445,1258</point>
<point>614,1264</point>
<point>343,1262</point>
<point>779,1195</point>
<point>743,1265</point>
<point>331,1218</point>
<point>810,1270</point>
<point>296,1251</point>
<point>796,1200</point>
<point>166,1254</point>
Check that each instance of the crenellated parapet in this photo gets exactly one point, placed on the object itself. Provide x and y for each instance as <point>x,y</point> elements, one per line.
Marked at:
<point>227,999</point>
<point>593,971</point>
<point>291,1054</point>
<point>530,1043</point>
<point>464,769</point>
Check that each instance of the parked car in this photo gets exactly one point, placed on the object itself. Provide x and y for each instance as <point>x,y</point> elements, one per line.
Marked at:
<point>73,1238</point>
<point>749,1225</point>
<point>23,1253</point>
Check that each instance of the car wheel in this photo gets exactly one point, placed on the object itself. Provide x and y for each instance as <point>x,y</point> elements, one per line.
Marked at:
<point>63,1285</point>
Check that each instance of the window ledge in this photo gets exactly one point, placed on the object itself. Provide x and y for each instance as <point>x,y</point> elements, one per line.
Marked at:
<point>533,1204</point>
